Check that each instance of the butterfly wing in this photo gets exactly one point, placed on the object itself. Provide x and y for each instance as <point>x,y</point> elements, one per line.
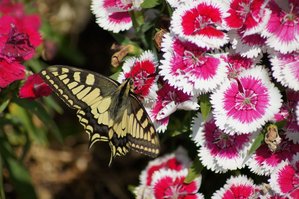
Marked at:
<point>142,133</point>
<point>87,92</point>
<point>124,125</point>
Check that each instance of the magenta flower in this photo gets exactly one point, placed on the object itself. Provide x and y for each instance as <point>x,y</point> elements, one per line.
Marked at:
<point>190,68</point>
<point>291,127</point>
<point>19,37</point>
<point>218,151</point>
<point>282,28</point>
<point>249,15</point>
<point>142,71</point>
<point>170,184</point>
<point>236,64</point>
<point>34,87</point>
<point>113,15</point>
<point>237,187</point>
<point>10,72</point>
<point>176,161</point>
<point>201,22</point>
<point>284,180</point>
<point>250,46</point>
<point>245,104</point>
<point>8,7</point>
<point>285,69</point>
<point>168,101</point>
<point>264,161</point>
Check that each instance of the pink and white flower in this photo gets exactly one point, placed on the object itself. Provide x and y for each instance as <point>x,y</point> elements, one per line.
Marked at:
<point>236,64</point>
<point>176,162</point>
<point>168,101</point>
<point>246,104</point>
<point>237,187</point>
<point>219,151</point>
<point>285,69</point>
<point>284,179</point>
<point>291,127</point>
<point>250,46</point>
<point>281,30</point>
<point>170,184</point>
<point>249,15</point>
<point>201,22</point>
<point>113,15</point>
<point>264,161</point>
<point>142,71</point>
<point>190,68</point>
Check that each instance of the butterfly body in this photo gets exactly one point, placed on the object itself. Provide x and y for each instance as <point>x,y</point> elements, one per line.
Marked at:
<point>109,111</point>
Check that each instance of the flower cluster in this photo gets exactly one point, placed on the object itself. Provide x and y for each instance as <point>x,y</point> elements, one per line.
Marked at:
<point>244,56</point>
<point>164,178</point>
<point>18,39</point>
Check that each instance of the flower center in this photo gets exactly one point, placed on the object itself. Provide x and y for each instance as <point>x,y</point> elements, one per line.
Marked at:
<point>246,100</point>
<point>222,140</point>
<point>193,59</point>
<point>245,9</point>
<point>140,79</point>
<point>17,44</point>
<point>202,22</point>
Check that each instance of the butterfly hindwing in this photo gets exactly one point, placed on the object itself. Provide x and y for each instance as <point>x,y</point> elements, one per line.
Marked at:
<point>109,111</point>
<point>142,133</point>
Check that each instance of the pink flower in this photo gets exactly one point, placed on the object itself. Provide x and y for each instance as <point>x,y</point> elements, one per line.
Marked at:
<point>19,37</point>
<point>264,161</point>
<point>10,72</point>
<point>236,64</point>
<point>245,104</point>
<point>34,87</point>
<point>250,46</point>
<point>168,101</point>
<point>285,69</point>
<point>113,15</point>
<point>282,30</point>
<point>142,71</point>
<point>291,127</point>
<point>284,180</point>
<point>176,162</point>
<point>249,15</point>
<point>190,68</point>
<point>7,7</point>
<point>201,22</point>
<point>218,151</point>
<point>237,187</point>
<point>170,184</point>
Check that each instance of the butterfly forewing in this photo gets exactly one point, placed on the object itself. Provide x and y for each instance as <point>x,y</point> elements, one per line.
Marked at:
<point>103,109</point>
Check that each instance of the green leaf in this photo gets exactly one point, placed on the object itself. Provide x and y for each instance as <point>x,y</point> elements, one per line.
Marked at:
<point>19,175</point>
<point>150,3</point>
<point>37,109</point>
<point>205,106</point>
<point>194,171</point>
<point>50,102</point>
<point>23,116</point>
<point>4,105</point>
<point>256,144</point>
